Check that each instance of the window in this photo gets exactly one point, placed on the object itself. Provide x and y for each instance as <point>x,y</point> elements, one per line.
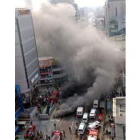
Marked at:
<point>58,72</point>
<point>122,108</point>
<point>116,11</point>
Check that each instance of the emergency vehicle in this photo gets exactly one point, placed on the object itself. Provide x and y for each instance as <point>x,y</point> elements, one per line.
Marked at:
<point>30,133</point>
<point>93,134</point>
<point>79,112</point>
<point>57,135</point>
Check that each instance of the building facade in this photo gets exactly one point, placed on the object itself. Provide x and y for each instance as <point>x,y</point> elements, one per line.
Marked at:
<point>119,116</point>
<point>51,72</point>
<point>115,12</point>
<point>26,57</point>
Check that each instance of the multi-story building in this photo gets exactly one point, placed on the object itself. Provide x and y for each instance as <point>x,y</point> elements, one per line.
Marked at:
<point>115,11</point>
<point>83,12</point>
<point>119,116</point>
<point>26,57</point>
<point>51,71</point>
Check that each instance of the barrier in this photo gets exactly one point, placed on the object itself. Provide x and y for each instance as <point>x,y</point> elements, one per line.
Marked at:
<point>47,116</point>
<point>43,116</point>
<point>24,115</point>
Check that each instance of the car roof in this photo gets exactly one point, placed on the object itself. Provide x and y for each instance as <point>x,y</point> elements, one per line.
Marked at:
<point>85,115</point>
<point>80,108</point>
<point>92,110</point>
<point>95,101</point>
<point>81,126</point>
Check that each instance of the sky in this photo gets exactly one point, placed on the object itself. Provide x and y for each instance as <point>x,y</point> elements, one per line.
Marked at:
<point>90,3</point>
<point>81,3</point>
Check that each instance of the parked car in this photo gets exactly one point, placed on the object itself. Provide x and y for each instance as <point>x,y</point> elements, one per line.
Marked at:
<point>85,118</point>
<point>82,128</point>
<point>92,113</point>
<point>79,112</point>
<point>95,104</point>
<point>93,125</point>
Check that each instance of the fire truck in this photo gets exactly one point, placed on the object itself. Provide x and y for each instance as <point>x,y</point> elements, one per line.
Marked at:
<point>30,133</point>
<point>57,135</point>
<point>54,96</point>
<point>93,134</point>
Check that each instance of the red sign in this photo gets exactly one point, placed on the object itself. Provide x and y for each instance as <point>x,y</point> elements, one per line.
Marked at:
<point>100,117</point>
<point>93,132</point>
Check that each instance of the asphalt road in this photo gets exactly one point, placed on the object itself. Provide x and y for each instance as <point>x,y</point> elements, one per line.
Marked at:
<point>47,126</point>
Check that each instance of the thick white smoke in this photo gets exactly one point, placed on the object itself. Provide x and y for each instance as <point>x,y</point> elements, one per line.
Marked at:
<point>78,47</point>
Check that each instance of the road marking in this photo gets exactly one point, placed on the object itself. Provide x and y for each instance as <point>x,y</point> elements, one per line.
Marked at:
<point>53,113</point>
<point>73,137</point>
<point>72,124</point>
<point>60,122</point>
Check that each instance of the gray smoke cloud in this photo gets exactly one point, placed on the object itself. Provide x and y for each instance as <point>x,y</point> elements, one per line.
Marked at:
<point>79,48</point>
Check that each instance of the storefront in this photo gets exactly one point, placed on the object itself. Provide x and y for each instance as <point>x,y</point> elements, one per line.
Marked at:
<point>113,27</point>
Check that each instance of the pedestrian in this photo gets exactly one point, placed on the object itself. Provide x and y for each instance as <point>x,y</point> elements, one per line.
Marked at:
<point>70,130</point>
<point>55,126</point>
<point>38,133</point>
<point>64,133</point>
<point>47,137</point>
<point>31,122</point>
<point>36,114</point>
<point>76,124</point>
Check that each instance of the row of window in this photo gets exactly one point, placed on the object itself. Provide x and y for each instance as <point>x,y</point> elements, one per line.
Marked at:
<point>58,72</point>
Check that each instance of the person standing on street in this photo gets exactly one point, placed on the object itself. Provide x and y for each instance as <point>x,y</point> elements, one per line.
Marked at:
<point>31,122</point>
<point>55,126</point>
<point>70,130</point>
<point>64,134</point>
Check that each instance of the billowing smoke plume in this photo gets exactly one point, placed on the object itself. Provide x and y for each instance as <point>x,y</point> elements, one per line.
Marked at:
<point>87,55</point>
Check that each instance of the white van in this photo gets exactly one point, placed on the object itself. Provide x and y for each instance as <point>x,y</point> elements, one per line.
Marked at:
<point>82,128</point>
<point>85,118</point>
<point>80,111</point>
<point>92,113</point>
<point>95,103</point>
